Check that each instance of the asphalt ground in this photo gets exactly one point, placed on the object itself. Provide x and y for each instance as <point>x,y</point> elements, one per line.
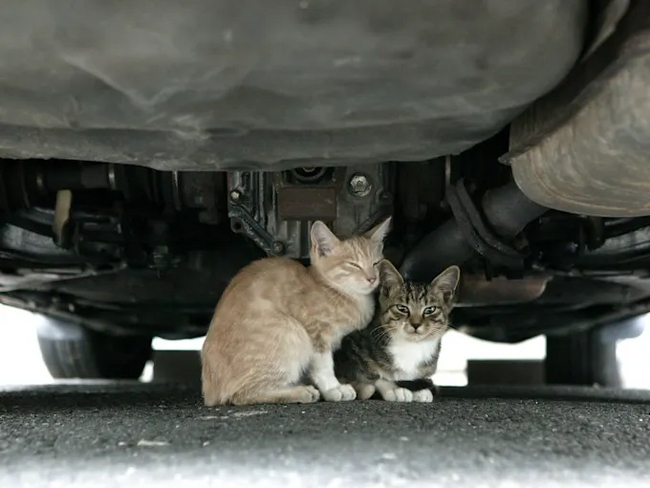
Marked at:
<point>123,435</point>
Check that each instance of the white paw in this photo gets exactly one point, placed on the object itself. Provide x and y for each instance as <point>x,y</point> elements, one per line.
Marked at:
<point>365,391</point>
<point>424,396</point>
<point>310,395</point>
<point>399,395</point>
<point>341,393</point>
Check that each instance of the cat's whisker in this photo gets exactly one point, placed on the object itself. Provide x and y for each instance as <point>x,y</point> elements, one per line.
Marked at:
<point>382,336</point>
<point>382,331</point>
<point>403,342</point>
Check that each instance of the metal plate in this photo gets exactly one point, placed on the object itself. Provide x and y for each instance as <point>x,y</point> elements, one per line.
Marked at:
<point>585,148</point>
<point>252,84</point>
<point>307,203</point>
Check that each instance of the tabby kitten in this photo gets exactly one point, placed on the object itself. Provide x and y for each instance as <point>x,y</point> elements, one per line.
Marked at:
<point>278,320</point>
<point>402,343</point>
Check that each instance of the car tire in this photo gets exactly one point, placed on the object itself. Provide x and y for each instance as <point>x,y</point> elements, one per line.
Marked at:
<point>588,358</point>
<point>69,350</point>
<point>581,359</point>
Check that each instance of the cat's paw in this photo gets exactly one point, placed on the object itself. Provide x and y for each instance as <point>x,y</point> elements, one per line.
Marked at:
<point>364,391</point>
<point>424,396</point>
<point>398,395</point>
<point>308,394</point>
<point>341,393</point>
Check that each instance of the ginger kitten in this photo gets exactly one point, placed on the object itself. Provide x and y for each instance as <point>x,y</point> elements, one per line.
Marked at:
<point>278,321</point>
<point>402,343</point>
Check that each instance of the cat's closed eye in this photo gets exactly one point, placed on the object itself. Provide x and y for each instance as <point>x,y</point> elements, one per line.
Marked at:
<point>403,309</point>
<point>354,265</point>
<point>429,311</point>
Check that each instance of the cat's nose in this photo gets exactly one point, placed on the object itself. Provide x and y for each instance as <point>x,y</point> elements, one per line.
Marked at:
<point>415,326</point>
<point>372,279</point>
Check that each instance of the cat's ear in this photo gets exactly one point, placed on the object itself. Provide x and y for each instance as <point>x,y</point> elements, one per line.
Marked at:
<point>378,233</point>
<point>447,282</point>
<point>323,241</point>
<point>389,277</point>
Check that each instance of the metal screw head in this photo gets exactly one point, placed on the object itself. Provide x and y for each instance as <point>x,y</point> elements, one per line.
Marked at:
<point>359,185</point>
<point>277,248</point>
<point>235,195</point>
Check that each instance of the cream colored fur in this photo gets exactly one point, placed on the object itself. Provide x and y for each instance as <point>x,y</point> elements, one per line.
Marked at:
<point>278,322</point>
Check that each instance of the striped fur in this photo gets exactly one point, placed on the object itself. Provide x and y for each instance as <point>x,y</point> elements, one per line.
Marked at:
<point>402,343</point>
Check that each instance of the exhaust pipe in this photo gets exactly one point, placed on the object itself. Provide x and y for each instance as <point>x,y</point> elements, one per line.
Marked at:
<point>477,291</point>
<point>507,211</point>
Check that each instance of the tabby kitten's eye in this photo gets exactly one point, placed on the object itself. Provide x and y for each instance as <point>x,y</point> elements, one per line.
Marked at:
<point>429,310</point>
<point>402,308</point>
<point>354,265</point>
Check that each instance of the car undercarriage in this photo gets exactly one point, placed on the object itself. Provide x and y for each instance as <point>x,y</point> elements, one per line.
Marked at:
<point>151,150</point>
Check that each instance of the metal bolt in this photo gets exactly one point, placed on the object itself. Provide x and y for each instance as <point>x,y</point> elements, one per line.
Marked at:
<point>359,185</point>
<point>235,195</point>
<point>277,248</point>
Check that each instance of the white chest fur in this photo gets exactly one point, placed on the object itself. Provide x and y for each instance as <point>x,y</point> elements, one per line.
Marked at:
<point>409,356</point>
